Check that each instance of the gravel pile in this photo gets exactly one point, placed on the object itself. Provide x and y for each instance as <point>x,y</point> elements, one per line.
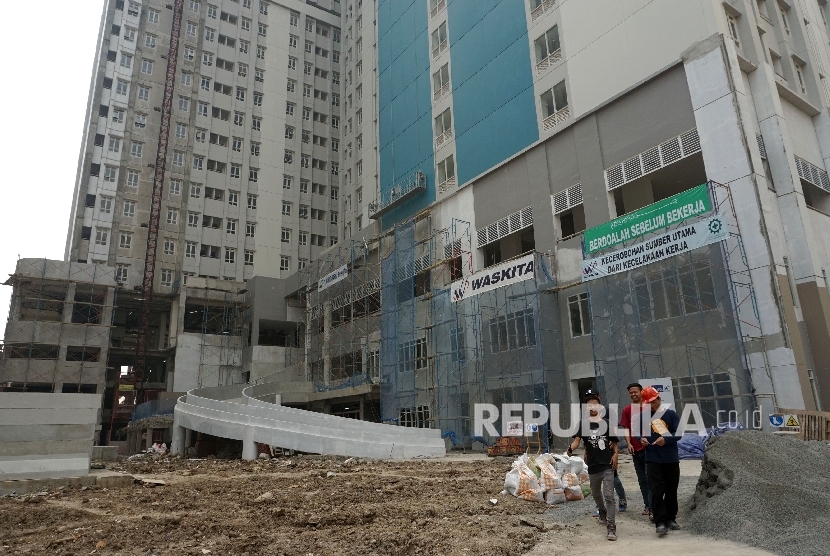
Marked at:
<point>765,490</point>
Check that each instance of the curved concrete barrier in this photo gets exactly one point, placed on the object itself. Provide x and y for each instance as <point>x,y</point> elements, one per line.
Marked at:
<point>251,413</point>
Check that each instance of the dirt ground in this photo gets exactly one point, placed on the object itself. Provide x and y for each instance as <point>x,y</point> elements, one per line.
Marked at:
<point>314,506</point>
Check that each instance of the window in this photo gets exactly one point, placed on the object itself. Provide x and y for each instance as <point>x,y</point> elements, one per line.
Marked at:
<point>334,218</point>
<point>184,104</point>
<point>303,186</point>
<point>309,24</point>
<point>190,249</point>
<point>239,118</point>
<point>230,226</point>
<point>259,76</point>
<point>126,61</point>
<point>137,149</point>
<point>205,83</point>
<point>195,190</point>
<point>189,53</point>
<point>412,355</point>
<point>285,263</point>
<point>288,157</point>
<point>235,170</point>
<point>256,123</point>
<point>202,109</point>
<point>260,53</point>
<point>732,25</point>
<point>304,161</point>
<point>307,68</point>
<point>216,166</point>
<point>580,314</point>
<point>263,8</point>
<point>150,41</point>
<point>335,56</point>
<point>132,178</point>
<point>784,21</point>
<point>249,258</point>
<point>193,219</point>
<point>110,173</point>
<point>306,117</point>
<point>129,34</point>
<point>175,187</point>
<point>187,78</point>
<point>253,174</point>
<point>285,236</point>
<point>242,70</point>
<point>198,162</point>
<point>446,170</point>
<point>194,6</point>
<point>172,216</point>
<point>224,89</point>
<point>252,202</point>
<point>125,240</point>
<point>250,229</point>
<point>335,169</point>
<point>246,4</point>
<point>303,238</point>
<point>227,41</point>
<point>335,77</point>
<point>321,73</point>
<point>439,39</point>
<point>292,65</point>
<point>181,130</point>
<point>263,29</point>
<point>169,247</point>
<point>240,94</point>
<point>303,213</point>
<point>106,205</point>
<point>547,45</point>
<point>286,208</point>
<point>114,144</point>
<point>210,34</point>
<point>335,122</point>
<point>513,331</point>
<point>101,235</point>
<point>799,73</point>
<point>294,18</point>
<point>207,59</point>
<point>554,100</point>
<point>335,192</point>
<point>243,46</point>
<point>443,123</point>
<point>166,277</point>
<point>129,209</point>
<point>121,88</point>
<point>335,145</point>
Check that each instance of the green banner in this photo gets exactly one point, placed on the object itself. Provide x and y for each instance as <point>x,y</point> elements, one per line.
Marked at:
<point>677,208</point>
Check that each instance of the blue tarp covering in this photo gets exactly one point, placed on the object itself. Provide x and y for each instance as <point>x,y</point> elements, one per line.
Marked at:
<point>153,408</point>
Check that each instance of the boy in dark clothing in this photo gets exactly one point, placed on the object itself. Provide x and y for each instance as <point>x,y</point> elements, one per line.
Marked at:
<point>601,456</point>
<point>662,461</point>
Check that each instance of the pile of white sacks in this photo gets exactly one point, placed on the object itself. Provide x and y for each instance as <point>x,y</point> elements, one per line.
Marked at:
<point>551,478</point>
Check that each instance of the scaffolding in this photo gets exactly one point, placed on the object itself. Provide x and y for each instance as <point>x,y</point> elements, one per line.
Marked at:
<point>59,325</point>
<point>689,318</point>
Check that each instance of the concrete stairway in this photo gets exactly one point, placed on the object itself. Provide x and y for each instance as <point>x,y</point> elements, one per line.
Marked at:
<point>252,413</point>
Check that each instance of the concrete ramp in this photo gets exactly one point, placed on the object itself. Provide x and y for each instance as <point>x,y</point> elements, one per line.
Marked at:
<point>252,413</point>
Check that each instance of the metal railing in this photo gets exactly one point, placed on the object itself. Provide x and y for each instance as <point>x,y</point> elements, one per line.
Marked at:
<point>445,88</point>
<point>401,192</point>
<point>541,9</point>
<point>443,138</point>
<point>556,118</point>
<point>552,59</point>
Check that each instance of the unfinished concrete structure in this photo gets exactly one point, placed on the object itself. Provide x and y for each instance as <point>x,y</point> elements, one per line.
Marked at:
<point>46,435</point>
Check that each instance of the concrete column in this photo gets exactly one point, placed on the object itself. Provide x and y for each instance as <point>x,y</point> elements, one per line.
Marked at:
<point>188,440</point>
<point>362,402</point>
<point>249,451</point>
<point>149,440</point>
<point>327,342</point>
<point>69,303</point>
<point>177,444</point>
<point>162,331</point>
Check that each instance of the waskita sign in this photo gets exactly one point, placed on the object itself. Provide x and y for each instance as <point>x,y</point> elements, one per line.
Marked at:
<point>504,274</point>
<point>332,278</point>
<point>689,204</point>
<point>669,244</point>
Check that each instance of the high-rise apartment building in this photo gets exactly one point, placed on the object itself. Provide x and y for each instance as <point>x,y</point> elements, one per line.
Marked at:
<point>251,176</point>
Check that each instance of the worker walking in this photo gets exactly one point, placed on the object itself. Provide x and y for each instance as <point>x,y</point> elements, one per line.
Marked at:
<point>637,450</point>
<point>662,460</point>
<point>618,486</point>
<point>601,449</point>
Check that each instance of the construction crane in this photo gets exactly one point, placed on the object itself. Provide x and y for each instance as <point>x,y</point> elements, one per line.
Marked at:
<point>140,365</point>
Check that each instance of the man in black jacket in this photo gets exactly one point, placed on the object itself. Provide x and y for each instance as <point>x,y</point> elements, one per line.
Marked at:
<point>662,460</point>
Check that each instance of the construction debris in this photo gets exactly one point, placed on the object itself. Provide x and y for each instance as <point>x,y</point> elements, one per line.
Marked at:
<point>764,490</point>
<point>550,478</point>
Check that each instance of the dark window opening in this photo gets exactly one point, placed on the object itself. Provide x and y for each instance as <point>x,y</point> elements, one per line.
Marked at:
<point>572,222</point>
<point>83,353</point>
<point>79,389</point>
